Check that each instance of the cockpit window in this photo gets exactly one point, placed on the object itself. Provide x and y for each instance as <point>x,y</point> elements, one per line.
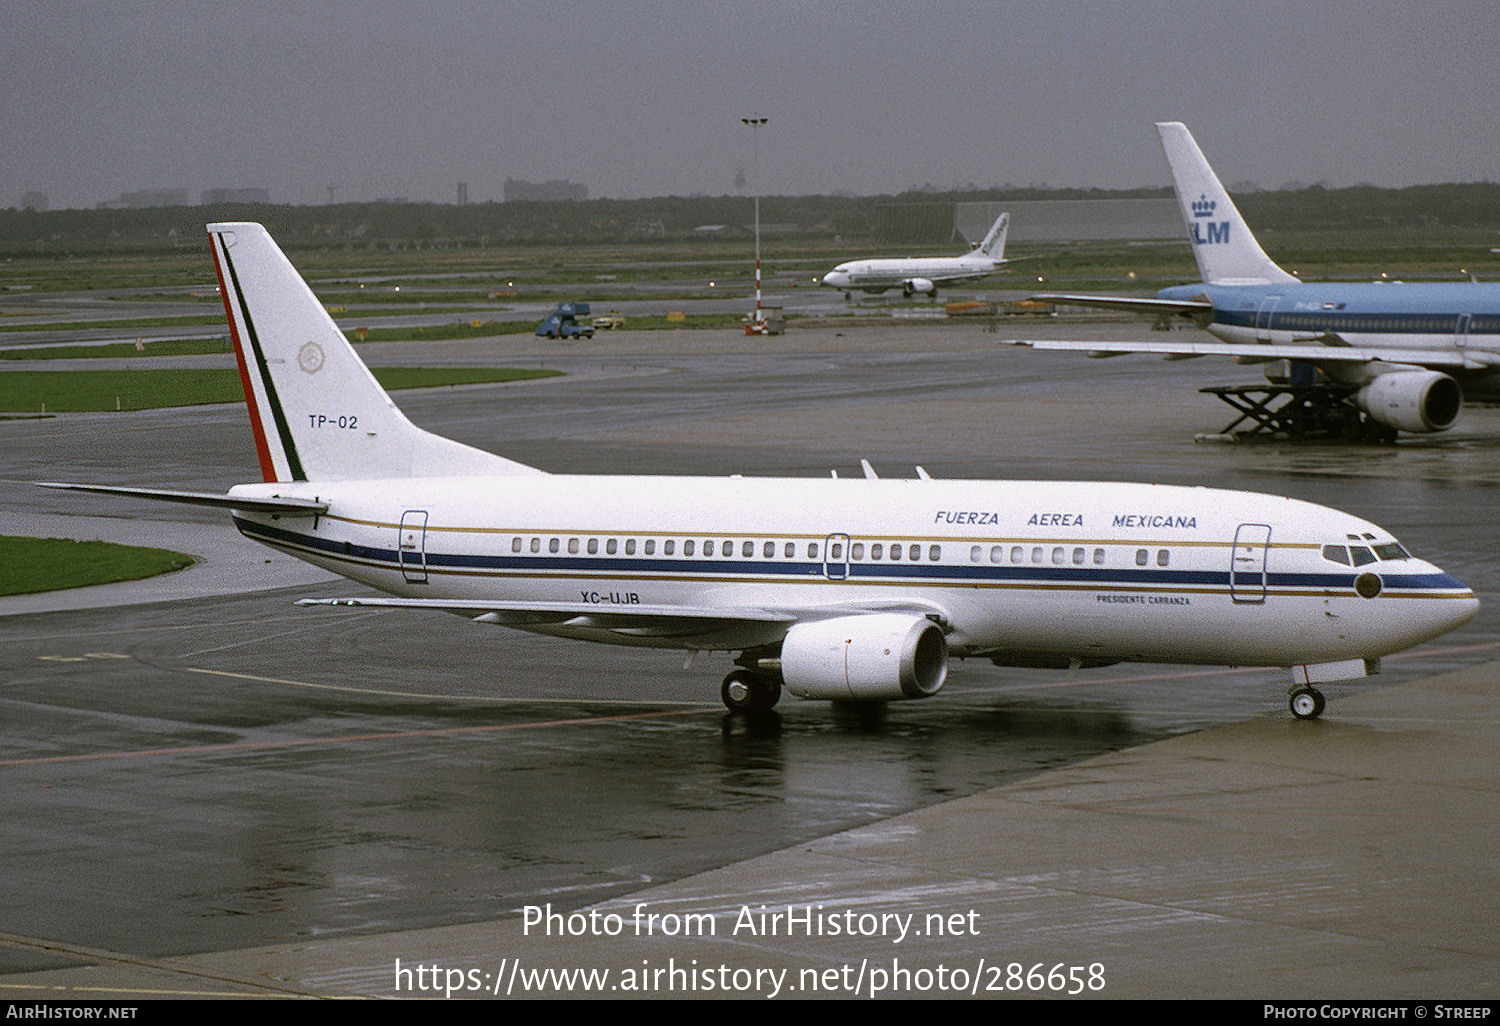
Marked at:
<point>1362,554</point>
<point>1336,554</point>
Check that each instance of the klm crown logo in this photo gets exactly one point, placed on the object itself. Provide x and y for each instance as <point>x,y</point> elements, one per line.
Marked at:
<point>1206,232</point>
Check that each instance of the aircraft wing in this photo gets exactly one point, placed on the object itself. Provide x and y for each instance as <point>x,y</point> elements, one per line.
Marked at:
<point>1185,307</point>
<point>1314,354</point>
<point>270,504</point>
<point>636,619</point>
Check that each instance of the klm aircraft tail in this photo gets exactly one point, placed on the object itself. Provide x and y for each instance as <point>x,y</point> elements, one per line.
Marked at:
<point>316,411</point>
<point>993,245</point>
<point>1226,251</point>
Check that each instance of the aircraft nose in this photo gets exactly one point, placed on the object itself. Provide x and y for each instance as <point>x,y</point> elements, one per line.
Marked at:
<point>1450,604</point>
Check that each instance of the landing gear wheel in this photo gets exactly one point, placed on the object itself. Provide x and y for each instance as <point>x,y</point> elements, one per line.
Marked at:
<point>1307,703</point>
<point>746,693</point>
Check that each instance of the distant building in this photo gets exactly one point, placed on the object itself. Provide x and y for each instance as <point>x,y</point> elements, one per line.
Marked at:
<point>463,194</point>
<point>516,189</point>
<point>34,201</point>
<point>212,196</point>
<point>1105,220</point>
<point>154,198</point>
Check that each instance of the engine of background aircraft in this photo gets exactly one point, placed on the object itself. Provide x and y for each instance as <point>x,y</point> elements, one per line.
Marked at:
<point>1420,402</point>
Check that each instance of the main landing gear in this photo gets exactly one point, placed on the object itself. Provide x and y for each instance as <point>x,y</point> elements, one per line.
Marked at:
<point>1307,703</point>
<point>746,692</point>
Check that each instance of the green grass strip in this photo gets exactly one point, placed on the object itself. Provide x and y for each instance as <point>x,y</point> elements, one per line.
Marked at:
<point>30,565</point>
<point>90,391</point>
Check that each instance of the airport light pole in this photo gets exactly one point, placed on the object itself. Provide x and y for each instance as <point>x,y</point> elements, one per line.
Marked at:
<point>758,327</point>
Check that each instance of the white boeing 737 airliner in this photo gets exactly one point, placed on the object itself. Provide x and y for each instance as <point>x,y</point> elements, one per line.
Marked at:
<point>923,274</point>
<point>842,589</point>
<point>1407,353</point>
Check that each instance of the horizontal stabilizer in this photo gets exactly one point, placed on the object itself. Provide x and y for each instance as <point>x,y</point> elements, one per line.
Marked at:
<point>269,504</point>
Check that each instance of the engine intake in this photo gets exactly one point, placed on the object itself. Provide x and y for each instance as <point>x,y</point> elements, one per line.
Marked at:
<point>873,656</point>
<point>1419,402</point>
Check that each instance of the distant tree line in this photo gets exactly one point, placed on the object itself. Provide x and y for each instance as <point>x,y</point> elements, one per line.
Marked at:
<point>675,218</point>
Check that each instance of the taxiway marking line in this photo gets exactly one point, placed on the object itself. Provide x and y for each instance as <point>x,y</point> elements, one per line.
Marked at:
<point>241,746</point>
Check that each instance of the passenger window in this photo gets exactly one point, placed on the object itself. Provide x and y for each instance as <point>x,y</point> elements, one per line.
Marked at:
<point>1017,554</point>
<point>895,550</point>
<point>1059,556</point>
<point>857,550</point>
<point>1098,557</point>
<point>593,546</point>
<point>768,550</point>
<point>553,546</point>
<point>611,546</point>
<point>650,546</point>
<point>536,545</point>
<point>836,551</point>
<point>935,553</point>
<point>1078,557</point>
<point>812,550</point>
<point>875,550</point>
<point>976,553</point>
<point>1162,557</point>
<point>1336,554</point>
<point>1038,555</point>
<point>997,553</point>
<point>914,552</point>
<point>572,546</point>
<point>515,545</point>
<point>668,546</point>
<point>791,550</point>
<point>688,547</point>
<point>629,546</point>
<point>1142,557</point>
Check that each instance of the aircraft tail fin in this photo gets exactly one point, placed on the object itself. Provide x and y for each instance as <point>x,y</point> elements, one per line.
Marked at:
<point>1226,251</point>
<point>316,411</point>
<point>993,245</point>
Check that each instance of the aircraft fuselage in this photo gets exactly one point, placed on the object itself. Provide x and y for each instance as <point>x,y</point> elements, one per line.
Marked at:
<point>1036,572</point>
<point>1450,318</point>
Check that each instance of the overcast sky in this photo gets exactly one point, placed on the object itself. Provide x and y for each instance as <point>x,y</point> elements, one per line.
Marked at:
<point>389,99</point>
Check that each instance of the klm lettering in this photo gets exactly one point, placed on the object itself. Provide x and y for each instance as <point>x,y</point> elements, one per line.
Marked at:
<point>1217,232</point>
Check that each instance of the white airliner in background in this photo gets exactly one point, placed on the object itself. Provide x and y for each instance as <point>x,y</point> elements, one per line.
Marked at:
<point>844,589</point>
<point>923,274</point>
<point>1408,352</point>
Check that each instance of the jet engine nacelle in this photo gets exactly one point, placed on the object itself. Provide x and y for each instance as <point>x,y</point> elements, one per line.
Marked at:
<point>874,656</point>
<point>1416,401</point>
<point>915,285</point>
